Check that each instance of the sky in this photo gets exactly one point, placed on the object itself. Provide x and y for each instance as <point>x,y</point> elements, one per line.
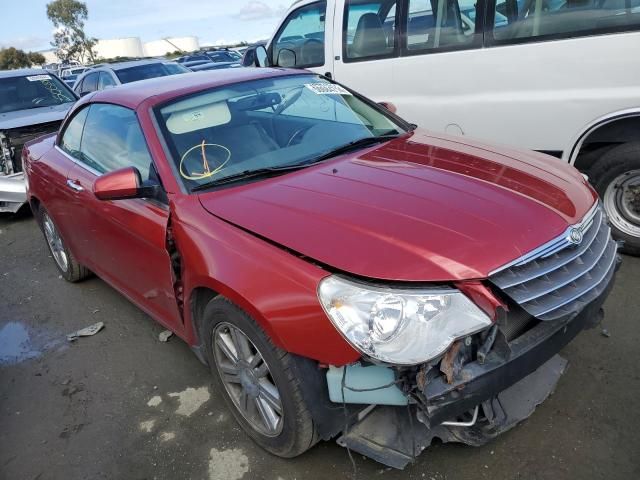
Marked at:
<point>25,24</point>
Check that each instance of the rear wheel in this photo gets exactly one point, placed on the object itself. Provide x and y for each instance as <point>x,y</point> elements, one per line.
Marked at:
<point>256,379</point>
<point>616,177</point>
<point>69,268</point>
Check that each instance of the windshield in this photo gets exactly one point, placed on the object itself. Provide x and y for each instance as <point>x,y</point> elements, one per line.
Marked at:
<point>33,91</point>
<point>142,72</point>
<point>266,124</point>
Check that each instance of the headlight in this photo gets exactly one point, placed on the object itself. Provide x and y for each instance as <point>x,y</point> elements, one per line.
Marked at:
<point>399,326</point>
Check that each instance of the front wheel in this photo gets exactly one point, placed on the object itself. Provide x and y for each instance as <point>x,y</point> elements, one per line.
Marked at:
<point>616,177</point>
<point>256,380</point>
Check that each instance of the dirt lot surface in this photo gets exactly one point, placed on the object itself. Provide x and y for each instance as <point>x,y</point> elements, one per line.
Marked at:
<point>122,405</point>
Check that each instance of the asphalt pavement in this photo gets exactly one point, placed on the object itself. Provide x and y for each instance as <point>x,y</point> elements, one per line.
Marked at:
<point>123,405</point>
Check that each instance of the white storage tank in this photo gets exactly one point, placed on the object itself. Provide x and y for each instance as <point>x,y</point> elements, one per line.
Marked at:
<point>163,46</point>
<point>119,47</point>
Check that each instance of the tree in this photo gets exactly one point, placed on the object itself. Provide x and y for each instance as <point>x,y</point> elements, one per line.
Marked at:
<point>70,40</point>
<point>36,58</point>
<point>11,58</point>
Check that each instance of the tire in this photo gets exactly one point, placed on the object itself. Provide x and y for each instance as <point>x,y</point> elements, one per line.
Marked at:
<point>294,432</point>
<point>64,260</point>
<point>616,177</point>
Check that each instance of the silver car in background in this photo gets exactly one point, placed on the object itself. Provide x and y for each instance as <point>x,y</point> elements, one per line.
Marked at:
<point>33,102</point>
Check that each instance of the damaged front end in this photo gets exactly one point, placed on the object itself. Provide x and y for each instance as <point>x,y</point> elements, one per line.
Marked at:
<point>12,187</point>
<point>486,382</point>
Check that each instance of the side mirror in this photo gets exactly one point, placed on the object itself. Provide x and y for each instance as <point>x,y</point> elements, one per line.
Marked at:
<point>122,184</point>
<point>286,58</point>
<point>389,106</point>
<point>255,56</point>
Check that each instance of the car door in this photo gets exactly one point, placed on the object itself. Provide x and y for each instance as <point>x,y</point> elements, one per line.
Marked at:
<point>303,39</point>
<point>123,241</point>
<point>54,172</point>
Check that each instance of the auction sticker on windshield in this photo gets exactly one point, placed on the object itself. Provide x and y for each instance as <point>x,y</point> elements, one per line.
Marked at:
<point>327,89</point>
<point>38,78</point>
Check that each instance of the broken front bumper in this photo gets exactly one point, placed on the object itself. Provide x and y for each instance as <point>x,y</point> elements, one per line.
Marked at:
<point>13,192</point>
<point>505,389</point>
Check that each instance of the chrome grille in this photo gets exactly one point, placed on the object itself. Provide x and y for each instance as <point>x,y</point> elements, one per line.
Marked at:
<point>559,278</point>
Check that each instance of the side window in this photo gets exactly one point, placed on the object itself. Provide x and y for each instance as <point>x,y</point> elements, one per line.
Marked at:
<point>70,141</point>
<point>90,83</point>
<point>442,24</point>
<point>300,41</point>
<point>105,80</point>
<point>369,29</point>
<point>529,20</point>
<point>112,139</point>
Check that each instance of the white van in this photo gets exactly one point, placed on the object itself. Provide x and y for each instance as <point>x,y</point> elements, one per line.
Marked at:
<point>557,76</point>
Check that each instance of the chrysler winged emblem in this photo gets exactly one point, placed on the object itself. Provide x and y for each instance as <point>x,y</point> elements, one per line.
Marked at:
<point>575,236</point>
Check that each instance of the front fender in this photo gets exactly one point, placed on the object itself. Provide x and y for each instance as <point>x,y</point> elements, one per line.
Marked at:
<point>276,287</point>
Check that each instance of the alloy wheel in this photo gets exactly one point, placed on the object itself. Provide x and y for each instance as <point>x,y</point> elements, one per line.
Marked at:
<point>622,202</point>
<point>55,243</point>
<point>247,379</point>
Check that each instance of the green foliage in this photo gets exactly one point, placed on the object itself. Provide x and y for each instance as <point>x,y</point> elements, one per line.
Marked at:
<point>36,58</point>
<point>12,58</point>
<point>70,40</point>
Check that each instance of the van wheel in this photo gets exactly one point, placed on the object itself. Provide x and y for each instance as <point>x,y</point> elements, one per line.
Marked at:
<point>256,380</point>
<point>67,265</point>
<point>616,177</point>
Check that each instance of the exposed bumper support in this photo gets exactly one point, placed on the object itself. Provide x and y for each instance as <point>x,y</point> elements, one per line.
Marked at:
<point>13,193</point>
<point>390,436</point>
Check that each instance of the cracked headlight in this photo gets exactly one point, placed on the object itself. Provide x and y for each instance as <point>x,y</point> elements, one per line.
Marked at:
<point>400,326</point>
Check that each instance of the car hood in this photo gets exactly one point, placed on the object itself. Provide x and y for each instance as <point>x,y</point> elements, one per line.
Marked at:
<point>423,207</point>
<point>33,116</point>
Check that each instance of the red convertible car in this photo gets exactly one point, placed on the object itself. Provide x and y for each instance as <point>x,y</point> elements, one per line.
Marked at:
<point>343,273</point>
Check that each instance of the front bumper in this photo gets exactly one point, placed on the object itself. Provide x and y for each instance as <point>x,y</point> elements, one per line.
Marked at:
<point>13,192</point>
<point>513,380</point>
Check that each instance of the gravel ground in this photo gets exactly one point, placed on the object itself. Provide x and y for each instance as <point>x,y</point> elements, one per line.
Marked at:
<point>122,405</point>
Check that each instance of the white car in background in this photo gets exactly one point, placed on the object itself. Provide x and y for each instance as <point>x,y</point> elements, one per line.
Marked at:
<point>107,75</point>
<point>556,76</point>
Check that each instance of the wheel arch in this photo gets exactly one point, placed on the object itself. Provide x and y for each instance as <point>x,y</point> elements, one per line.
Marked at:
<point>204,292</point>
<point>610,129</point>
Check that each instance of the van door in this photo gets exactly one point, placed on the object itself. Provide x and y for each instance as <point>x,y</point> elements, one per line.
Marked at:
<point>366,42</point>
<point>303,39</point>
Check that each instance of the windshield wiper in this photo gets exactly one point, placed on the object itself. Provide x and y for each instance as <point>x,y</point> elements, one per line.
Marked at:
<point>260,172</point>
<point>271,171</point>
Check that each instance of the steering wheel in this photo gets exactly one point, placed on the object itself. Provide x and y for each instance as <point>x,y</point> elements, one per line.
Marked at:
<point>307,45</point>
<point>295,134</point>
<point>37,100</point>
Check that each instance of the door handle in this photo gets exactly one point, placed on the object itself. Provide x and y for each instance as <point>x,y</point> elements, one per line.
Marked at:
<point>74,186</point>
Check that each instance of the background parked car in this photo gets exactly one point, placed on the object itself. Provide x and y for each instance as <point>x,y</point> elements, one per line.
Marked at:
<point>113,74</point>
<point>70,75</point>
<point>32,103</point>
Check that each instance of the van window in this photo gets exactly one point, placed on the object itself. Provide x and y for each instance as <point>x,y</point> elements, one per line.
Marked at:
<point>442,24</point>
<point>300,41</point>
<point>530,20</point>
<point>369,29</point>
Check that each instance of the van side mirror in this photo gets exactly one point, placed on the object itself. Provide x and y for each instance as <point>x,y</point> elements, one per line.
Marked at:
<point>122,184</point>
<point>255,56</point>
